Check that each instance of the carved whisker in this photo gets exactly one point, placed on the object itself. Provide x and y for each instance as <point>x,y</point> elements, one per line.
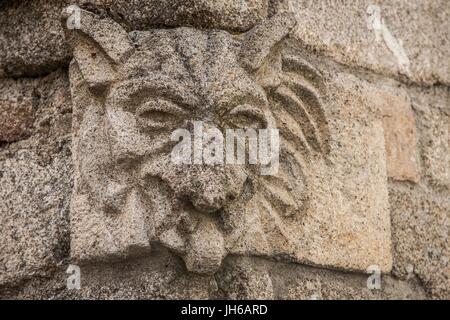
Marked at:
<point>296,108</point>
<point>280,197</point>
<point>299,66</point>
<point>291,130</point>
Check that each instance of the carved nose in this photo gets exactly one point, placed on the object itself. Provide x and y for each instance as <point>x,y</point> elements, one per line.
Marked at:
<point>209,191</point>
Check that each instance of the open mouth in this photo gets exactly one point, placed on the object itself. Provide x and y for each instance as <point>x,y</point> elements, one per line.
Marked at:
<point>185,226</point>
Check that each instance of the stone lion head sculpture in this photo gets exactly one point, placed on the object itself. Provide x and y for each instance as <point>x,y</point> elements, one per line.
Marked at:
<point>130,91</point>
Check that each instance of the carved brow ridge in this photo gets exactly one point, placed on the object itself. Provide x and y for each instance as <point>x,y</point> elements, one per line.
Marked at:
<point>155,86</point>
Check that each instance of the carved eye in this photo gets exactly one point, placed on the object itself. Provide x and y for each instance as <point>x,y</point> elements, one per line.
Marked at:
<point>158,114</point>
<point>246,116</point>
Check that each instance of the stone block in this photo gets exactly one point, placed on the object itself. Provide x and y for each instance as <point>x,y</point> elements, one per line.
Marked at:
<point>325,205</point>
<point>16,109</point>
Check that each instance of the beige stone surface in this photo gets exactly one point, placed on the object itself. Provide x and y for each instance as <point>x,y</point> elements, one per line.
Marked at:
<point>399,135</point>
<point>338,29</point>
<point>32,40</point>
<point>421,222</point>
<point>204,212</point>
<point>411,41</point>
<point>33,216</point>
<point>161,277</point>
<point>358,89</point>
<point>16,110</point>
<point>351,219</point>
<point>433,113</point>
<point>35,180</point>
<point>232,15</point>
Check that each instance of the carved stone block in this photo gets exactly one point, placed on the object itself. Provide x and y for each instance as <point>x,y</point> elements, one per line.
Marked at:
<point>327,204</point>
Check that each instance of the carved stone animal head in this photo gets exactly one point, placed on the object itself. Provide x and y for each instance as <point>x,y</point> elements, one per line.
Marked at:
<point>131,91</point>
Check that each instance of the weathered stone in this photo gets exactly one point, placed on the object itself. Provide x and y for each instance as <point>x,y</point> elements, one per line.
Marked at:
<point>204,212</point>
<point>160,277</point>
<point>343,30</point>
<point>232,15</point>
<point>242,278</point>
<point>33,215</point>
<point>299,282</point>
<point>36,181</point>
<point>433,109</point>
<point>31,38</point>
<point>16,109</point>
<point>400,136</point>
<point>352,215</point>
<point>403,39</point>
<point>144,226</point>
<point>421,228</point>
<point>31,46</point>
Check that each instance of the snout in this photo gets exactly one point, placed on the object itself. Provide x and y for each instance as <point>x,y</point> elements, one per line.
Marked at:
<point>210,189</point>
<point>207,188</point>
<point>211,196</point>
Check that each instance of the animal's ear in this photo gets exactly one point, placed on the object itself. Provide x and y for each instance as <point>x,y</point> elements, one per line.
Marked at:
<point>261,39</point>
<point>99,45</point>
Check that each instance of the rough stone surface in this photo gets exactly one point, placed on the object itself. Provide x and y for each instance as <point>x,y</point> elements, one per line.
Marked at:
<point>421,225</point>
<point>32,40</point>
<point>161,277</point>
<point>232,15</point>
<point>206,212</point>
<point>35,179</point>
<point>433,113</point>
<point>359,92</point>
<point>400,136</point>
<point>407,39</point>
<point>16,109</point>
<point>339,29</point>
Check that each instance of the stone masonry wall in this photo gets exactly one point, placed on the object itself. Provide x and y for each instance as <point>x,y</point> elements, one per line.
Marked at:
<point>387,67</point>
